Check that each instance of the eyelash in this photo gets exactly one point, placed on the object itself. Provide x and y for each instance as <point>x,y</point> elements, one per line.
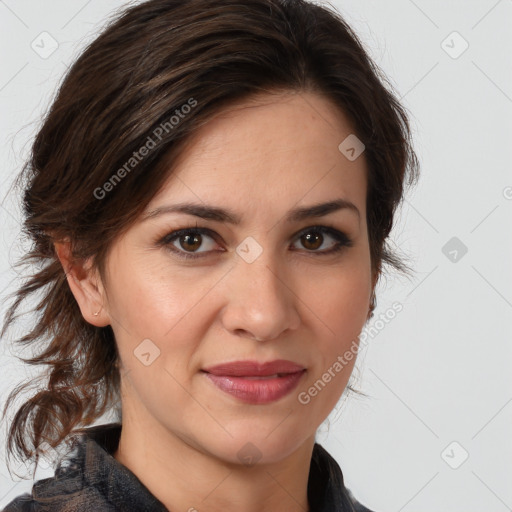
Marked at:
<point>342,240</point>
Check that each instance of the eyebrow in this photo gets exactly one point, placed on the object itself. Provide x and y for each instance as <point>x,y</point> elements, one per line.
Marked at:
<point>223,215</point>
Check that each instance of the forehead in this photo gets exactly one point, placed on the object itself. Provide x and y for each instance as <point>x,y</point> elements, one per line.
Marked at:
<point>270,151</point>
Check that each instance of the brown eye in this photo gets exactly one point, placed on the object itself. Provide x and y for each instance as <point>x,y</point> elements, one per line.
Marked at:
<point>311,241</point>
<point>186,242</point>
<point>314,237</point>
<point>190,242</point>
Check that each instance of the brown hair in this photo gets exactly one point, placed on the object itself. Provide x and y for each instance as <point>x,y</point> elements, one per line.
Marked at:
<point>132,83</point>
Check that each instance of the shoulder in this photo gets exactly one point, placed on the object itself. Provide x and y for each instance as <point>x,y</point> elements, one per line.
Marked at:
<point>66,491</point>
<point>327,485</point>
<point>60,494</point>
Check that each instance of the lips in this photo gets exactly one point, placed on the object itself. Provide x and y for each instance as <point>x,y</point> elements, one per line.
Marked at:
<point>279,367</point>
<point>256,383</point>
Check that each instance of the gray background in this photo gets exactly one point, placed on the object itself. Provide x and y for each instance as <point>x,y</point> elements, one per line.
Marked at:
<point>439,372</point>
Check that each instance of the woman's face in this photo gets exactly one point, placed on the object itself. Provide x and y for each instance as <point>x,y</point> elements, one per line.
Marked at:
<point>267,287</point>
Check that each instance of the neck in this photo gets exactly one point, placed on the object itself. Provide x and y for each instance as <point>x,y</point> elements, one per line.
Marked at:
<point>185,477</point>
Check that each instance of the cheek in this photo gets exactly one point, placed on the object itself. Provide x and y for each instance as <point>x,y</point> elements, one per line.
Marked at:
<point>339,307</point>
<point>152,300</point>
<point>339,304</point>
<point>339,296</point>
<point>145,295</point>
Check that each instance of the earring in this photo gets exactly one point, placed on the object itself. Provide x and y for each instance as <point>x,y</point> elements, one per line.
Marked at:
<point>97,313</point>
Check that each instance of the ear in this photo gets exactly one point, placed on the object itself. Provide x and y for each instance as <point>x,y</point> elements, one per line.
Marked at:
<point>86,286</point>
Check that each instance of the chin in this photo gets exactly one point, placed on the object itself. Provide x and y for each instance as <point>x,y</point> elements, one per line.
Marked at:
<point>256,446</point>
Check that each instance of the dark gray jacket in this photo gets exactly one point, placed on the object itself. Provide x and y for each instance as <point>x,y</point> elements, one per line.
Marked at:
<point>92,480</point>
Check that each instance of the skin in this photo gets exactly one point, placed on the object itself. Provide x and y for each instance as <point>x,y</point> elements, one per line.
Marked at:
<point>181,435</point>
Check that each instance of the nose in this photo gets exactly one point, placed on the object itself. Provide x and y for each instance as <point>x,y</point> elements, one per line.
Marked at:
<point>261,303</point>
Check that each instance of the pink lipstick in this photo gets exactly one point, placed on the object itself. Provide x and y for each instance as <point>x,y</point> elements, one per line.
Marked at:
<point>256,383</point>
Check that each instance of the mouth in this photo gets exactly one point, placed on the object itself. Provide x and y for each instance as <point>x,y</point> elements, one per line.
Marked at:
<point>256,383</point>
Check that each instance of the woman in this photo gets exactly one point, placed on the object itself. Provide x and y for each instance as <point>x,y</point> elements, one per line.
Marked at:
<point>210,195</point>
